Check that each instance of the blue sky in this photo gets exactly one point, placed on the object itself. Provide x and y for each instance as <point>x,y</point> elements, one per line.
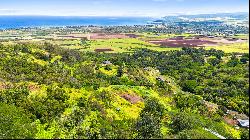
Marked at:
<point>153,8</point>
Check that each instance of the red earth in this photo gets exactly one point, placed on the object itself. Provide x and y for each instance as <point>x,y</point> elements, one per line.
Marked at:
<point>110,36</point>
<point>95,36</point>
<point>181,42</point>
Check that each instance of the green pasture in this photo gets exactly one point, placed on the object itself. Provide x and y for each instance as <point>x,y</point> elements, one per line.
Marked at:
<point>118,45</point>
<point>230,48</point>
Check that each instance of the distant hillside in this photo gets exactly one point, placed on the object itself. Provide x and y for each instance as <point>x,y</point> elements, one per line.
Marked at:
<point>241,18</point>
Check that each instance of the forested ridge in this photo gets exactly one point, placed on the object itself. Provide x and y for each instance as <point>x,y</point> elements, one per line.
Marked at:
<point>50,92</point>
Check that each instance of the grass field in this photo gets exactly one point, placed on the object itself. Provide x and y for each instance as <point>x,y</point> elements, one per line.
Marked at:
<point>230,48</point>
<point>117,45</point>
<point>241,36</point>
<point>151,36</point>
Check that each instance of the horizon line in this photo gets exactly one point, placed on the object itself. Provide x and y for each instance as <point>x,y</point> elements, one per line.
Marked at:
<point>170,14</point>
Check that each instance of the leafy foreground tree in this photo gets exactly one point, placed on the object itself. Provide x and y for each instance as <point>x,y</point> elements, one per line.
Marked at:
<point>14,123</point>
<point>245,134</point>
<point>183,121</point>
<point>149,123</point>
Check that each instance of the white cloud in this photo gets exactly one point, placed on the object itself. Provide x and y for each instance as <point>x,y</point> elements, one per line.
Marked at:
<point>9,11</point>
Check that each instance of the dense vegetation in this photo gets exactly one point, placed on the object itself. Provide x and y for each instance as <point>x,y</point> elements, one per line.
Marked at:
<point>50,92</point>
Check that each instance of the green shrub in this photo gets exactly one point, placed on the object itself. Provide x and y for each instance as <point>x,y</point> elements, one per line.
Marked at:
<point>14,123</point>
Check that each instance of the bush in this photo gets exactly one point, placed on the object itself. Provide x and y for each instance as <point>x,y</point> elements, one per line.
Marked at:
<point>184,121</point>
<point>14,123</point>
<point>149,122</point>
<point>189,85</point>
<point>244,134</point>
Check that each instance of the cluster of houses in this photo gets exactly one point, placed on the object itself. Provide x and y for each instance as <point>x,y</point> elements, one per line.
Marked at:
<point>241,120</point>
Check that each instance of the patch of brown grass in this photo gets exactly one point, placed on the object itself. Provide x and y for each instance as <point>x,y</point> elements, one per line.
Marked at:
<point>133,99</point>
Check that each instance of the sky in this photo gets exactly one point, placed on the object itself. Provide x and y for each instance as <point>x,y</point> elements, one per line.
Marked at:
<point>146,8</point>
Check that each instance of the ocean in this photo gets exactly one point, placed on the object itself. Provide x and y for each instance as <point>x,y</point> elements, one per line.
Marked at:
<point>15,22</point>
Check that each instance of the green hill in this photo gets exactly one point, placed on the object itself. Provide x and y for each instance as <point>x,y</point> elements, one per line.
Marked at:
<point>54,92</point>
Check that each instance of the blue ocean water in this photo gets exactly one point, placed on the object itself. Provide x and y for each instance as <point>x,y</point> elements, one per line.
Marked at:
<point>7,22</point>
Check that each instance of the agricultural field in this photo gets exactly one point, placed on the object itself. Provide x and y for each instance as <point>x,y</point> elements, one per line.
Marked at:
<point>121,45</point>
<point>127,42</point>
<point>232,48</point>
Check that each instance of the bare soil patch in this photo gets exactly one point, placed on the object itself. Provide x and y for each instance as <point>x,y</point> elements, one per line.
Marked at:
<point>2,86</point>
<point>228,40</point>
<point>104,50</point>
<point>131,98</point>
<point>181,42</point>
<point>196,41</point>
<point>230,121</point>
<point>33,87</point>
<point>211,106</point>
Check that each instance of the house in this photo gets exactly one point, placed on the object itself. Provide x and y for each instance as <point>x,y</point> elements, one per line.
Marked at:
<point>210,36</point>
<point>243,123</point>
<point>237,115</point>
<point>107,62</point>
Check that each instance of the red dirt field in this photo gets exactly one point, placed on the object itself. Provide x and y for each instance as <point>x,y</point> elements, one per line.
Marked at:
<point>180,42</point>
<point>111,36</point>
<point>103,50</point>
<point>228,40</point>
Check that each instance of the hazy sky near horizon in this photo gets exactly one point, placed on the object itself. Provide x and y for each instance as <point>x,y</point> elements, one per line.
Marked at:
<point>151,8</point>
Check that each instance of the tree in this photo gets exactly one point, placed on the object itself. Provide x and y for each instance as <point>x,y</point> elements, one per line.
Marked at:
<point>244,60</point>
<point>214,61</point>
<point>84,42</point>
<point>149,123</point>
<point>184,121</point>
<point>14,123</point>
<point>120,72</point>
<point>189,85</point>
<point>108,67</point>
<point>233,61</point>
<point>244,134</point>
